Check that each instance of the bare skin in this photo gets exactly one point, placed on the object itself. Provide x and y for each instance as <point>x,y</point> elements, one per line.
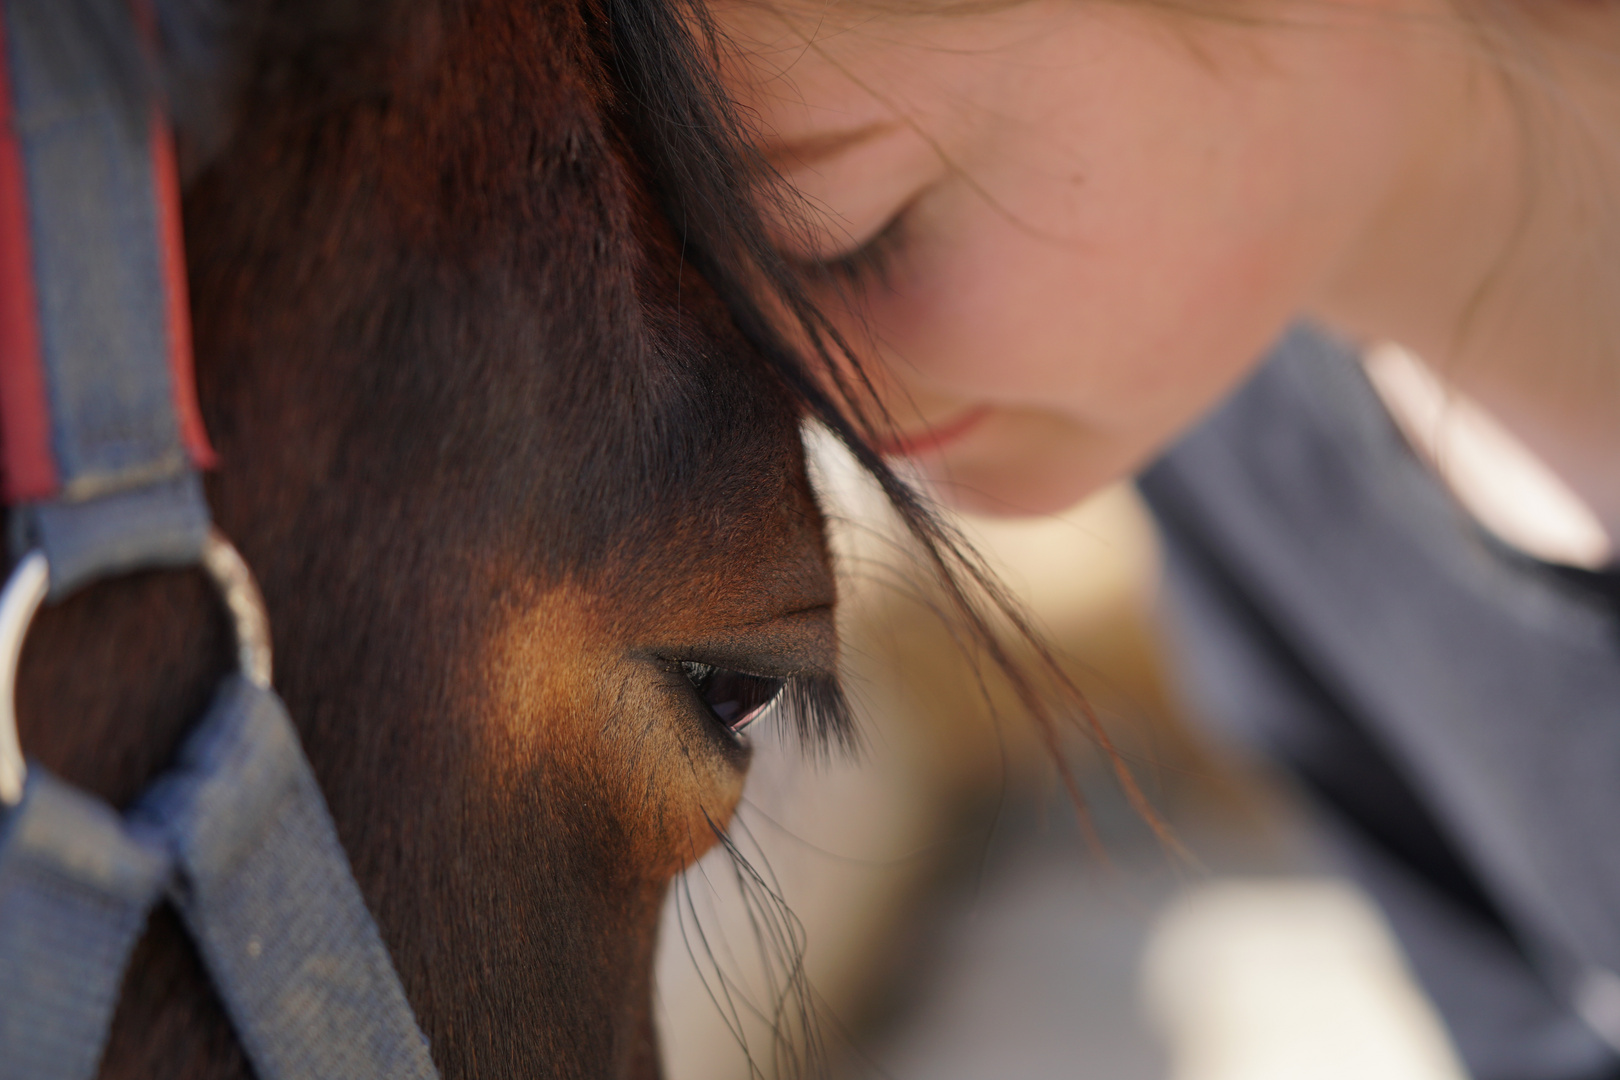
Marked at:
<point>1095,217</point>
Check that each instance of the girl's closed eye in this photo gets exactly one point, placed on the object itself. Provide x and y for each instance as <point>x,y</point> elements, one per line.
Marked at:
<point>870,264</point>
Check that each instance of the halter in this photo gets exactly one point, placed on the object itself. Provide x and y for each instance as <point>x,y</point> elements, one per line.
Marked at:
<point>101,444</point>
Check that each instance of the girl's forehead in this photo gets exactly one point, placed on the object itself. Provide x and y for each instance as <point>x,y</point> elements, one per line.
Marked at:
<point>829,79</point>
<point>874,45</point>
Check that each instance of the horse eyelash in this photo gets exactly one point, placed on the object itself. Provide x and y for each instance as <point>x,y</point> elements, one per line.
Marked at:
<point>813,704</point>
<point>820,714</point>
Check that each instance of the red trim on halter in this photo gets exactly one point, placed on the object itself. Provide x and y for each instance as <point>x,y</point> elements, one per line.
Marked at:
<point>27,465</point>
<point>172,250</point>
<point>177,313</point>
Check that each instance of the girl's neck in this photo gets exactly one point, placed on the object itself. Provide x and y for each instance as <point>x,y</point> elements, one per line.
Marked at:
<point>1498,259</point>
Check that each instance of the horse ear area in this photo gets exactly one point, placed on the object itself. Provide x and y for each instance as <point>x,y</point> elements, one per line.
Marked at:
<point>215,53</point>
<point>206,49</point>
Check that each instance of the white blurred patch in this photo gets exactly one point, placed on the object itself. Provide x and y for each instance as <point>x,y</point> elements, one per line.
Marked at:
<point>1288,979</point>
<point>1495,476</point>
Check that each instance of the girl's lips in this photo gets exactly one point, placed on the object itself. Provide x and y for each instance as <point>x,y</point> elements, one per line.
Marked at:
<point>933,438</point>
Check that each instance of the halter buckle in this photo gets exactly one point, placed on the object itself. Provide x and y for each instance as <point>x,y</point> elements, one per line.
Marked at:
<point>26,590</point>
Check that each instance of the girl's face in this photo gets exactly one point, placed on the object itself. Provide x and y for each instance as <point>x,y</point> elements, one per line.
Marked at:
<point>1070,227</point>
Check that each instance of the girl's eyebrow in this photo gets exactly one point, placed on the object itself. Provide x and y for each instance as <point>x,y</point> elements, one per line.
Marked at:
<point>817,148</point>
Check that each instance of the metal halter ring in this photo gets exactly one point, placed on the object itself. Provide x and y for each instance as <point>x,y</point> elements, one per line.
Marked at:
<point>26,590</point>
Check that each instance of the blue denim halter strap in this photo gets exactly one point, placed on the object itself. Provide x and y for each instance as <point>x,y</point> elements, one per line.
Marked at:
<point>101,444</point>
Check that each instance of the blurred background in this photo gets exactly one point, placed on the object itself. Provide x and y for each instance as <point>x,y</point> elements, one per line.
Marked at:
<point>936,908</point>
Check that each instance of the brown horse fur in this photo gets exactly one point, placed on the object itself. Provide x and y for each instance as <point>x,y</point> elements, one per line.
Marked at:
<point>500,461</point>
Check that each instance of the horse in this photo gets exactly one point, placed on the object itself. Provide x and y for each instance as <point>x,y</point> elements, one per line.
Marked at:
<point>518,468</point>
<point>506,385</point>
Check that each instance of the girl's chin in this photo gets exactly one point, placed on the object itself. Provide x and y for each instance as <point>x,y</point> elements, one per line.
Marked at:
<point>1006,490</point>
<point>1023,462</point>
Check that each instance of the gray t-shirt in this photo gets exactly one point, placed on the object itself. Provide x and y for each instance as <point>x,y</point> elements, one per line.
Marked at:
<point>1451,706</point>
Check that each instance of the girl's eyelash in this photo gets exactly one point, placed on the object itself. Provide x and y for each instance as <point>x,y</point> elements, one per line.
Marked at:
<point>870,264</point>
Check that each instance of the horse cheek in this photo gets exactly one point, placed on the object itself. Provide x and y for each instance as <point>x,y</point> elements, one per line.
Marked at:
<point>605,734</point>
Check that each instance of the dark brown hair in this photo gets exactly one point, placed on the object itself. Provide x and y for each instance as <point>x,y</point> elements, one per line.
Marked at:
<point>708,179</point>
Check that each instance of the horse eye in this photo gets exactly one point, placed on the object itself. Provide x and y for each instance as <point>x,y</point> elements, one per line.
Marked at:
<point>735,699</point>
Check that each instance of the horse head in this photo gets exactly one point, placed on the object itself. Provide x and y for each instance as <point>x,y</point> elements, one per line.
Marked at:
<point>521,479</point>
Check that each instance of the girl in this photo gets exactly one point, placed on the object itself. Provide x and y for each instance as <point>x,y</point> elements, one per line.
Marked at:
<point>1081,240</point>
